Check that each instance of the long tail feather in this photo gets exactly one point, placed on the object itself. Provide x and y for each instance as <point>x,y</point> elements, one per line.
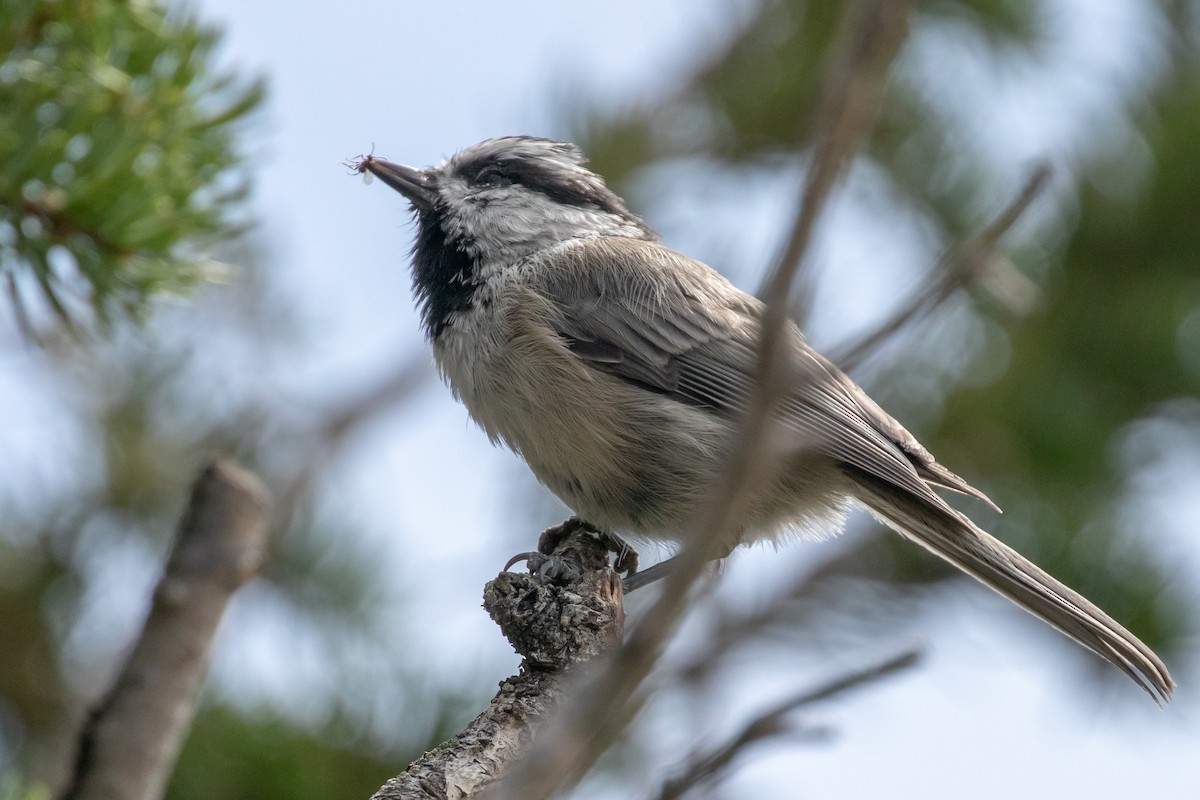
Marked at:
<point>937,527</point>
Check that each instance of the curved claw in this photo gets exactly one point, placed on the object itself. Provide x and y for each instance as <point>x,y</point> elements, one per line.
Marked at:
<point>518,558</point>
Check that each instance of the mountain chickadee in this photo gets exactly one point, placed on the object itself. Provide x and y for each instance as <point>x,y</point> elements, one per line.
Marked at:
<point>617,369</point>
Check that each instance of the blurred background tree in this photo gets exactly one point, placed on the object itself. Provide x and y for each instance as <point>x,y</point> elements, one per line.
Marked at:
<point>1063,382</point>
<point>117,152</point>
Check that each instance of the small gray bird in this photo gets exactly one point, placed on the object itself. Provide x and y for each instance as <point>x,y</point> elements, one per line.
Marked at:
<point>617,368</point>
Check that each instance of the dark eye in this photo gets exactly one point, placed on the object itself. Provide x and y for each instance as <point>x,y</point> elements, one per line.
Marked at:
<point>493,176</point>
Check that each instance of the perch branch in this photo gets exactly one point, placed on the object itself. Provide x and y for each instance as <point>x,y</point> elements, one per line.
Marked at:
<point>565,612</point>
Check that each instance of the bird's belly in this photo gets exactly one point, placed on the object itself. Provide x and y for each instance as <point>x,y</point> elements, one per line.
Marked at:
<point>621,457</point>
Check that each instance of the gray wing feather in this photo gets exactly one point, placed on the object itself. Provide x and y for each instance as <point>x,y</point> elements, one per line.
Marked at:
<point>674,326</point>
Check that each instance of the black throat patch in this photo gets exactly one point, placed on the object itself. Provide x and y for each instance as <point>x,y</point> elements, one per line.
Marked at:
<point>444,275</point>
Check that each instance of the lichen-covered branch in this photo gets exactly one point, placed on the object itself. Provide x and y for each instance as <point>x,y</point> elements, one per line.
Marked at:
<point>567,610</point>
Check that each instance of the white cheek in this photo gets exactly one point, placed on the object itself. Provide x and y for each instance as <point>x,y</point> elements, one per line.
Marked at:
<point>458,356</point>
<point>506,225</point>
<point>466,349</point>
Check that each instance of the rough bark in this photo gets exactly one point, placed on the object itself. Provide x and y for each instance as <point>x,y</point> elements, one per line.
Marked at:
<point>565,611</point>
<point>129,745</point>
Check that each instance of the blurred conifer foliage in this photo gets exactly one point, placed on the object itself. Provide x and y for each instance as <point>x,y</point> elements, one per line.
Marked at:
<point>117,156</point>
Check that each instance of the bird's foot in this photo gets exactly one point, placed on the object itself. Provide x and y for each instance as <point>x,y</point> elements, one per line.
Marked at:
<point>626,561</point>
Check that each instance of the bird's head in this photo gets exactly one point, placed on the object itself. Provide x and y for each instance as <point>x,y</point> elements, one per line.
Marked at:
<point>493,205</point>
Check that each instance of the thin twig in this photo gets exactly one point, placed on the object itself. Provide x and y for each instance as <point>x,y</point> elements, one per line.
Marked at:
<point>872,33</point>
<point>334,429</point>
<point>958,268</point>
<point>600,709</point>
<point>773,722</point>
<point>20,314</point>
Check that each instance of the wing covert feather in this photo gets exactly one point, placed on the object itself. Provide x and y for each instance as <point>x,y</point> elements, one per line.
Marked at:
<point>645,313</point>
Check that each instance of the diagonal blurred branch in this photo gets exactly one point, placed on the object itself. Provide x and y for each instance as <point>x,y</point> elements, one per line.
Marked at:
<point>128,746</point>
<point>790,609</point>
<point>596,713</point>
<point>332,432</point>
<point>24,324</point>
<point>871,38</point>
<point>958,268</point>
<point>773,722</point>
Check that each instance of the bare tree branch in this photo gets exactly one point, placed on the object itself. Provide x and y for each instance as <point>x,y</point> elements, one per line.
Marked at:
<point>129,744</point>
<point>332,432</point>
<point>872,33</point>
<point>773,722</point>
<point>24,324</point>
<point>958,268</point>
